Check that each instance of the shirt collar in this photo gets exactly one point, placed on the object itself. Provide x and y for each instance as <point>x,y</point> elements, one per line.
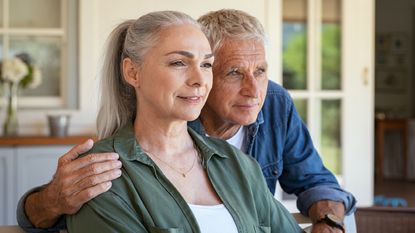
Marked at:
<point>125,144</point>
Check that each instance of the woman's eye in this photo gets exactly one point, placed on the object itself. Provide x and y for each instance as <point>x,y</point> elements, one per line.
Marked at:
<point>177,63</point>
<point>207,65</point>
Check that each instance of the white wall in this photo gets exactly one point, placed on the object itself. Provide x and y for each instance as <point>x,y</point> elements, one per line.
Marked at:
<point>98,18</point>
<point>398,17</point>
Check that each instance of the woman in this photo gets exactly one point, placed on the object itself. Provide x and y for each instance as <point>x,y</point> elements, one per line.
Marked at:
<point>157,75</point>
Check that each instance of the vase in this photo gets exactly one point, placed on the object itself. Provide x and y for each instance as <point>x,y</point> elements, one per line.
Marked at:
<point>10,125</point>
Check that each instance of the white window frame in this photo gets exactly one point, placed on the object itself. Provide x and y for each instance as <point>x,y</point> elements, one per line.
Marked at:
<point>61,101</point>
<point>356,94</point>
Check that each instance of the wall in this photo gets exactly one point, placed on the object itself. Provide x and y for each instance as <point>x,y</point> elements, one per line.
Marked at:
<point>98,18</point>
<point>397,18</point>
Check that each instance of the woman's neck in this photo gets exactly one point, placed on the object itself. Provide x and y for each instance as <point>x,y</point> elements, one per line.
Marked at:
<point>160,137</point>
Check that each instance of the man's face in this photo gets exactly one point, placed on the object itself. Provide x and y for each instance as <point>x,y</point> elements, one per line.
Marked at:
<point>239,82</point>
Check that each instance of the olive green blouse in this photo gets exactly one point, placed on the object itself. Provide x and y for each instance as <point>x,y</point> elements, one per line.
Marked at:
<point>143,199</point>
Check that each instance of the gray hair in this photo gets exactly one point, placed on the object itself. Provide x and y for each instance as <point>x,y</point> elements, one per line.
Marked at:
<point>230,24</point>
<point>131,39</point>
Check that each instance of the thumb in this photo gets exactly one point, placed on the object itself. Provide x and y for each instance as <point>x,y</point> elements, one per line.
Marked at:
<point>77,150</point>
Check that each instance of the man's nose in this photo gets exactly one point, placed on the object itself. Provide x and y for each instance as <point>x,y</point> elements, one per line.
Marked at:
<point>250,86</point>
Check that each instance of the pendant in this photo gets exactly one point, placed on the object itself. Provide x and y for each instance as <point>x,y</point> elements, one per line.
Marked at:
<point>184,175</point>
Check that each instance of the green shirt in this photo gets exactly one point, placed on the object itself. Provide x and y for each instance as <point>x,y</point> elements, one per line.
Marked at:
<point>144,200</point>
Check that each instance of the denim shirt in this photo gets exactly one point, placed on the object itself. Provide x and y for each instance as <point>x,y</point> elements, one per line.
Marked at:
<point>281,143</point>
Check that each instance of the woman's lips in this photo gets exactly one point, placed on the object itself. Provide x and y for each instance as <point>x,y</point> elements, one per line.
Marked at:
<point>192,99</point>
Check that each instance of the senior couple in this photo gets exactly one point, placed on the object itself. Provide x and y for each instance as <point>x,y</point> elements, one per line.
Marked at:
<point>160,165</point>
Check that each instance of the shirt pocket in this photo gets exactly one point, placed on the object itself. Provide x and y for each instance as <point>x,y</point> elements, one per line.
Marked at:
<point>164,230</point>
<point>262,229</point>
<point>271,171</point>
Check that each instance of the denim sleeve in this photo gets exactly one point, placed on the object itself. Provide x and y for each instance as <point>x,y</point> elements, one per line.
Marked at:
<point>325,192</point>
<point>303,172</point>
<point>24,221</point>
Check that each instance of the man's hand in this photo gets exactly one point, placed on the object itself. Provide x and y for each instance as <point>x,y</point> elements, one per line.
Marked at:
<point>319,209</point>
<point>324,228</point>
<point>75,182</point>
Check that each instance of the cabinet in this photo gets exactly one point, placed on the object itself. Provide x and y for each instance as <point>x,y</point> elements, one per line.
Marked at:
<point>25,164</point>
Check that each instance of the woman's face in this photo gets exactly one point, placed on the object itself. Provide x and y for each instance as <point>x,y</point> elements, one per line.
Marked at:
<point>175,77</point>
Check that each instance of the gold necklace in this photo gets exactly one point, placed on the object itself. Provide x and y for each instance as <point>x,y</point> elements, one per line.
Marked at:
<point>184,174</point>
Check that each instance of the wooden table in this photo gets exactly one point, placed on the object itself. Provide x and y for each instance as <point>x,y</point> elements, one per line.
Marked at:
<point>44,140</point>
<point>382,126</point>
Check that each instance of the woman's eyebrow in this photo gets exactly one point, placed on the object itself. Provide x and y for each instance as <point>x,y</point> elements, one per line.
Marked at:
<point>188,54</point>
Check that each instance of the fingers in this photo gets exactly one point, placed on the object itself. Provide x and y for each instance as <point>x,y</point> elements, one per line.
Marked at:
<point>90,160</point>
<point>94,180</point>
<point>86,195</point>
<point>95,174</point>
<point>76,151</point>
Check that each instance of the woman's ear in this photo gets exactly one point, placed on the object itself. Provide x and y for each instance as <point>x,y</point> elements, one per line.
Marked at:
<point>130,72</point>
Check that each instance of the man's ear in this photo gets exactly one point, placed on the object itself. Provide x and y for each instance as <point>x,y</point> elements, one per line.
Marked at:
<point>130,72</point>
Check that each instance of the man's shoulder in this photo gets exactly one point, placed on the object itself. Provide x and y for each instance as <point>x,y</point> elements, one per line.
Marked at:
<point>277,99</point>
<point>276,89</point>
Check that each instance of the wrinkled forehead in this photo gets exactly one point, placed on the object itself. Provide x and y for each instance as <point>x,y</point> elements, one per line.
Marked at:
<point>250,50</point>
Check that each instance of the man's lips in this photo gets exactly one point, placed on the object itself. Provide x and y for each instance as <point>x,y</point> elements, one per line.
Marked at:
<point>246,106</point>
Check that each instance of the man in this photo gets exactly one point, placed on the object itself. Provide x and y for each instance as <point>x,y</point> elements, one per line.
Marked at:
<point>244,108</point>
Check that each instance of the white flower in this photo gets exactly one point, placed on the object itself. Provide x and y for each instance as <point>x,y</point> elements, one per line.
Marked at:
<point>14,70</point>
<point>36,78</point>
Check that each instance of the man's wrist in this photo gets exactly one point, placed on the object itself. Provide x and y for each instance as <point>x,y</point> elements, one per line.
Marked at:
<point>320,209</point>
<point>41,210</point>
<point>333,222</point>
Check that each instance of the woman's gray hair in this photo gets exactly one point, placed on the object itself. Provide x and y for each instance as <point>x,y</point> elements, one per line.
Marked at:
<point>230,24</point>
<point>132,39</point>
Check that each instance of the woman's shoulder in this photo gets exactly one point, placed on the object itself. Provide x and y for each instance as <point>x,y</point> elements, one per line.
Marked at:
<point>102,146</point>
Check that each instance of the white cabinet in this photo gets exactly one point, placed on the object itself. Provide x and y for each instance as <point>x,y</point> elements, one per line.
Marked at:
<point>22,168</point>
<point>7,184</point>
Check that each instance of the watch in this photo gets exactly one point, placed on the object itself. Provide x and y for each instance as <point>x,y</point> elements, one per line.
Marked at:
<point>333,221</point>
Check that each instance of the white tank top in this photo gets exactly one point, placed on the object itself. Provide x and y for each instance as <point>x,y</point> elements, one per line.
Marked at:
<point>213,219</point>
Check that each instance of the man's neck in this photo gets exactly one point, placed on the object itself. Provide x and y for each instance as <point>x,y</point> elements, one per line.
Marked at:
<point>218,128</point>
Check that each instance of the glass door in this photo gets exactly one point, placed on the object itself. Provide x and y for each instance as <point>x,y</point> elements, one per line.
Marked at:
<point>319,67</point>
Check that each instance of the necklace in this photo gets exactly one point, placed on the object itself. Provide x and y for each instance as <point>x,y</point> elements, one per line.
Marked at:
<point>183,173</point>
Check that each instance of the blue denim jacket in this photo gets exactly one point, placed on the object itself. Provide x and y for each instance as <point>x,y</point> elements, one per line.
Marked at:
<point>281,143</point>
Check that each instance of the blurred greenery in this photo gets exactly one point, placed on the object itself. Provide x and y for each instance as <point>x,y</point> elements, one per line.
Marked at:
<point>294,56</point>
<point>330,135</point>
<point>301,106</point>
<point>295,77</point>
<point>330,69</point>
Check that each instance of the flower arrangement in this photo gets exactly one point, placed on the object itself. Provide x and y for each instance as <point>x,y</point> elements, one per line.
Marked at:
<point>17,73</point>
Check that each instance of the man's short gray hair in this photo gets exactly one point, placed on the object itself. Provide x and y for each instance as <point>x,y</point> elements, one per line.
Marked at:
<point>230,24</point>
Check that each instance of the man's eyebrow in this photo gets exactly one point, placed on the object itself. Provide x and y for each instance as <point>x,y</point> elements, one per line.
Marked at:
<point>188,54</point>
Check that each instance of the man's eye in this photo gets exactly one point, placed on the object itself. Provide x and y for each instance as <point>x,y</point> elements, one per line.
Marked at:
<point>260,72</point>
<point>177,63</point>
<point>233,72</point>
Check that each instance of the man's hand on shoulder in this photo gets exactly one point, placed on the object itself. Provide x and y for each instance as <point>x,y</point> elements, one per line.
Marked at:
<point>75,182</point>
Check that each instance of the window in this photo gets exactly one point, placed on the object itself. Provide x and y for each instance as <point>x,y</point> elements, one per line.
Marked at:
<point>46,31</point>
<point>311,71</point>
